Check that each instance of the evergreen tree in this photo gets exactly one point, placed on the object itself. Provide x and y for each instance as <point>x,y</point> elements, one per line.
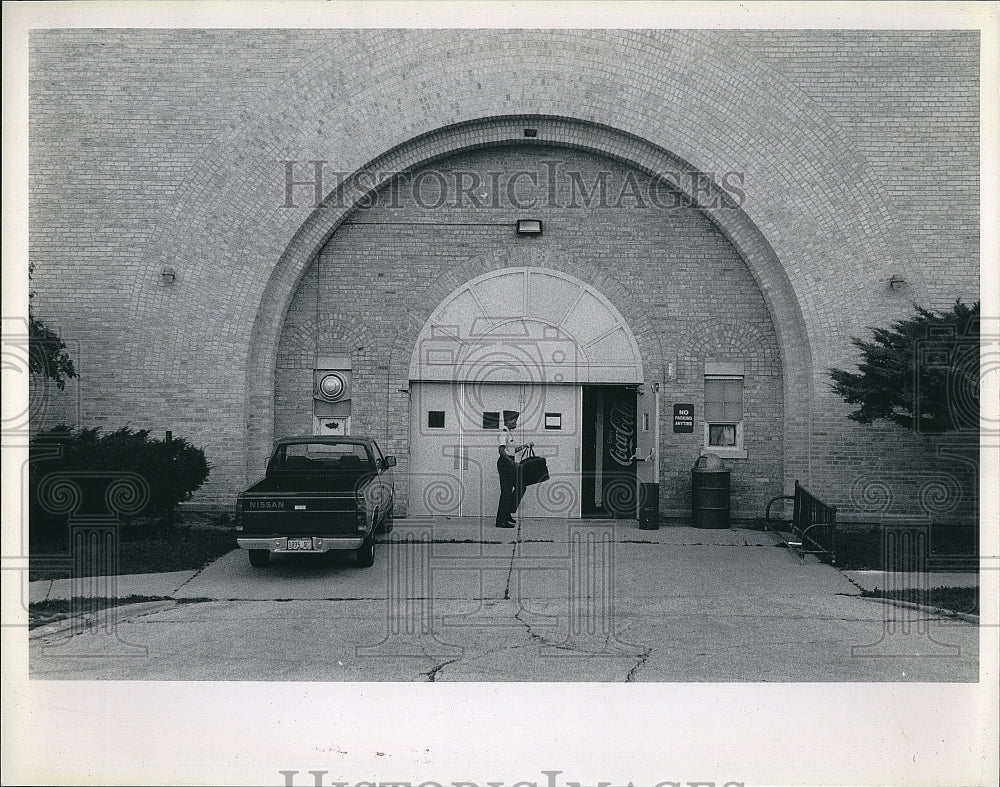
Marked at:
<point>921,373</point>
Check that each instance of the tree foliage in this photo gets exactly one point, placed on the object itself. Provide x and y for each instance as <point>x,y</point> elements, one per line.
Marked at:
<point>921,373</point>
<point>47,354</point>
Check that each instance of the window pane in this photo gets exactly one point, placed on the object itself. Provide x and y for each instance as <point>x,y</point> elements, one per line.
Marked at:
<point>714,400</point>
<point>491,420</point>
<point>722,434</point>
<point>724,400</point>
<point>435,419</point>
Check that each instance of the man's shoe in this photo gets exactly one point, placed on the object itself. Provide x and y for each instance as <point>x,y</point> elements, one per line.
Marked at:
<point>505,524</point>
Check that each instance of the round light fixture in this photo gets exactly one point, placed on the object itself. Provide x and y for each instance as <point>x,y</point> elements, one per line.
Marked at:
<point>331,387</point>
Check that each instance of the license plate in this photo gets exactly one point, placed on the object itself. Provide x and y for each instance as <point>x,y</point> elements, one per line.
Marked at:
<point>299,543</point>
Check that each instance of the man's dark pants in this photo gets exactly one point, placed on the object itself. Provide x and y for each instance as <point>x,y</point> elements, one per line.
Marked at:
<point>508,488</point>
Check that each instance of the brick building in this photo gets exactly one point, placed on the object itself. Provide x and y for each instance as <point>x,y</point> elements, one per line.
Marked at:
<point>220,219</point>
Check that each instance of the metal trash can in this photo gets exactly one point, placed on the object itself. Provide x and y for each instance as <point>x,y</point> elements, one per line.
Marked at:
<point>710,493</point>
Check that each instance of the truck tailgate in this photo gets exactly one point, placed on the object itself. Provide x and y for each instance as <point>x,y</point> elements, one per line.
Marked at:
<point>299,514</point>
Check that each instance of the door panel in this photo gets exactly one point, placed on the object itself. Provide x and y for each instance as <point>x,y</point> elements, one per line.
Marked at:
<point>559,441</point>
<point>453,458</point>
<point>435,473</point>
<point>481,482</point>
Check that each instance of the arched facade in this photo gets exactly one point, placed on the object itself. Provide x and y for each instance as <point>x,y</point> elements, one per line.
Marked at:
<point>823,195</point>
<point>611,302</point>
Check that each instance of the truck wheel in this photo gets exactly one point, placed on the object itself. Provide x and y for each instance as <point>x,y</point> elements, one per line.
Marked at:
<point>365,553</point>
<point>259,557</point>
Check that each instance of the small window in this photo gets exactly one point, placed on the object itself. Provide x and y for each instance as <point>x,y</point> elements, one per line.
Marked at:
<point>724,414</point>
<point>491,420</point>
<point>722,435</point>
<point>435,419</point>
<point>553,420</point>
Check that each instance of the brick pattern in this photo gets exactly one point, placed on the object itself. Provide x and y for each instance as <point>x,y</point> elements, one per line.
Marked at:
<point>679,284</point>
<point>157,147</point>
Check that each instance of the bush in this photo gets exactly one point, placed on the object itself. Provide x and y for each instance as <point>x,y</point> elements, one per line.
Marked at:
<point>90,461</point>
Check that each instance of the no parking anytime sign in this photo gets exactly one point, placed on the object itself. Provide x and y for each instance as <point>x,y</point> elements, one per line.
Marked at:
<point>684,418</point>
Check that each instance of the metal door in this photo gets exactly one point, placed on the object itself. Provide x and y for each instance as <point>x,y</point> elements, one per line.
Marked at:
<point>454,441</point>
<point>551,418</point>
<point>435,466</point>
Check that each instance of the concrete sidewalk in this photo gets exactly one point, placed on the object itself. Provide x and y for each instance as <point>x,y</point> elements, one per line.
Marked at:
<point>164,584</point>
<point>552,600</point>
<point>459,537</point>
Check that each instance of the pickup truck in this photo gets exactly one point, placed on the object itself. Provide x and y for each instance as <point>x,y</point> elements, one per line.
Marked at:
<point>319,494</point>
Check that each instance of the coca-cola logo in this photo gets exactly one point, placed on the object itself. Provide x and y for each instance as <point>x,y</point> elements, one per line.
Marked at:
<point>622,433</point>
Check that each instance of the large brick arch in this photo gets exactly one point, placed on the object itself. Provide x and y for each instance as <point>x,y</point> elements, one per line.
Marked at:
<point>760,258</point>
<point>815,213</point>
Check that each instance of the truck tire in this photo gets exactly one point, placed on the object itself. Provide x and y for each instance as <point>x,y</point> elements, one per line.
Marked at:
<point>259,557</point>
<point>365,554</point>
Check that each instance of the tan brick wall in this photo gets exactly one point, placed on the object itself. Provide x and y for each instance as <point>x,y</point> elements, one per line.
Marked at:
<point>153,148</point>
<point>666,268</point>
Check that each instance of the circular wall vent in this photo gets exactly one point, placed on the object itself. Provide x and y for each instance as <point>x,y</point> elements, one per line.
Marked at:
<point>331,387</point>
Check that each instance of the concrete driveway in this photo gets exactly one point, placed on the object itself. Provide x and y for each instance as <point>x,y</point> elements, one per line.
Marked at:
<point>553,600</point>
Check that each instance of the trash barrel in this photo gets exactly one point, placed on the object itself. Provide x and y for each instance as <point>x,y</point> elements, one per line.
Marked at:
<point>649,506</point>
<point>710,493</point>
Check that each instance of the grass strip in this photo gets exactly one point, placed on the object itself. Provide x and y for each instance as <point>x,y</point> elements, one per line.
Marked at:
<point>964,600</point>
<point>182,549</point>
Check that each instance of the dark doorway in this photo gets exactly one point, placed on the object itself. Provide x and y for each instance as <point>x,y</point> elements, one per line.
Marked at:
<point>608,484</point>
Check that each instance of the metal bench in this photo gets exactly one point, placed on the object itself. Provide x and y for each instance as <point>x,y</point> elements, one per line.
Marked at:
<point>813,525</point>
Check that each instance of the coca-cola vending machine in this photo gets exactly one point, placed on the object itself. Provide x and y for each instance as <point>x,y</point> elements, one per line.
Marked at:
<point>609,448</point>
<point>618,476</point>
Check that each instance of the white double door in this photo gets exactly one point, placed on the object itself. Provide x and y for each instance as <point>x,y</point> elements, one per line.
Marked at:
<point>454,437</point>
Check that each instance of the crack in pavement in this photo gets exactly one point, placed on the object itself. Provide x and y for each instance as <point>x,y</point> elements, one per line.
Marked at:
<point>542,641</point>
<point>513,554</point>
<point>630,678</point>
<point>190,578</point>
<point>433,672</point>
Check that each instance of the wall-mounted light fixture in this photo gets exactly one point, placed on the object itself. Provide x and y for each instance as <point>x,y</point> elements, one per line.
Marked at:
<point>168,275</point>
<point>529,226</point>
<point>896,282</point>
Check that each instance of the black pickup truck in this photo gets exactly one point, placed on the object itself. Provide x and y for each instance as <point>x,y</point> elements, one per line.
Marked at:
<point>319,494</point>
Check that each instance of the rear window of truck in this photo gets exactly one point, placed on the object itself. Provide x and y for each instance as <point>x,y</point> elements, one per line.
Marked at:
<point>322,458</point>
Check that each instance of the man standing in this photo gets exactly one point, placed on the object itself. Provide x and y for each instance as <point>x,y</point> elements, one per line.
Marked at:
<point>507,469</point>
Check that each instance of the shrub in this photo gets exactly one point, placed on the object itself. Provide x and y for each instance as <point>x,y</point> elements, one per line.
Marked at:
<point>89,460</point>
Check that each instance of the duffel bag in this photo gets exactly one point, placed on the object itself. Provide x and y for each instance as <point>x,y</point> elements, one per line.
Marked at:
<point>532,469</point>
